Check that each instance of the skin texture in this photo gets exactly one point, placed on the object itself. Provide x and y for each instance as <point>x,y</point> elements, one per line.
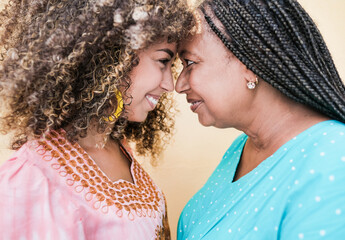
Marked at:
<point>216,78</point>
<point>152,76</point>
<point>109,159</point>
<point>201,80</point>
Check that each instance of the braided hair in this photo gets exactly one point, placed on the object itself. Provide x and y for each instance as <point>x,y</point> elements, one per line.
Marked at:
<point>279,42</point>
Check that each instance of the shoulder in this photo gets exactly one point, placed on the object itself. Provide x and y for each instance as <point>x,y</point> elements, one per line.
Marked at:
<point>319,154</point>
<point>329,132</point>
<point>23,185</point>
<point>329,129</point>
<point>319,162</point>
<point>316,199</point>
<point>324,146</point>
<point>23,171</point>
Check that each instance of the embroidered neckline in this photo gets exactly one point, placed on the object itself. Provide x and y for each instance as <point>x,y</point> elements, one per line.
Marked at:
<point>141,198</point>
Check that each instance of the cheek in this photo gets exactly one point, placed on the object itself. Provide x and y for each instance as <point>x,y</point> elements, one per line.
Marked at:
<point>153,76</point>
<point>197,79</point>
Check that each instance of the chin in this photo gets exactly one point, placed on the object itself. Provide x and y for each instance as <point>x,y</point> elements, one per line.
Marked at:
<point>206,122</point>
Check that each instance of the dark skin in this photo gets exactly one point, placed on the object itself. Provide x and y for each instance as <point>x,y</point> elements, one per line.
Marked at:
<point>283,120</point>
<point>215,83</point>
<point>255,151</point>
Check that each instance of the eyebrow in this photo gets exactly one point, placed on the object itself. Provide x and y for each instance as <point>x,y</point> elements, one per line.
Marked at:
<point>168,51</point>
<point>183,52</point>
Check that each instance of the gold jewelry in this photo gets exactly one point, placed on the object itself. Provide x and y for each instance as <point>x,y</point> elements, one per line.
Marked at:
<point>252,85</point>
<point>119,107</point>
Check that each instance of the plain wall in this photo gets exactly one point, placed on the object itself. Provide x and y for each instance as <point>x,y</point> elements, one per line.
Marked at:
<point>195,150</point>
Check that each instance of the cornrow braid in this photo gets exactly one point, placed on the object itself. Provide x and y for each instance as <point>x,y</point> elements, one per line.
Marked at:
<point>280,43</point>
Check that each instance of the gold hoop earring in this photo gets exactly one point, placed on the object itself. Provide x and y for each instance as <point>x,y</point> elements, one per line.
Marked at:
<point>119,108</point>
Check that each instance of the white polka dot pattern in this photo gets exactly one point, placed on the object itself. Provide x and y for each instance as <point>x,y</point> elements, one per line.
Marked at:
<point>301,185</point>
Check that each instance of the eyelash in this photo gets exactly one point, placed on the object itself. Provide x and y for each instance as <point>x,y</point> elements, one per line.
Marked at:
<point>164,61</point>
<point>188,62</point>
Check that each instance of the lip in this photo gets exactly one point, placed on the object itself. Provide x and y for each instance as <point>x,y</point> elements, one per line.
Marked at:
<point>194,103</point>
<point>152,100</point>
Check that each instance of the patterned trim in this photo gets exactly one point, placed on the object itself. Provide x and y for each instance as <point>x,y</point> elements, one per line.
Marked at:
<point>163,232</point>
<point>141,199</point>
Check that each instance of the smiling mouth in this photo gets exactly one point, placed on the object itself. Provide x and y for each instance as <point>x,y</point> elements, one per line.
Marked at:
<point>194,105</point>
<point>153,101</point>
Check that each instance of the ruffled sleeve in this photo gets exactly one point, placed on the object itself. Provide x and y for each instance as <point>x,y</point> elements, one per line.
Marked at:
<point>30,203</point>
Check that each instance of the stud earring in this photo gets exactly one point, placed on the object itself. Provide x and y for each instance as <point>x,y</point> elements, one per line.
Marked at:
<point>252,85</point>
<point>119,108</point>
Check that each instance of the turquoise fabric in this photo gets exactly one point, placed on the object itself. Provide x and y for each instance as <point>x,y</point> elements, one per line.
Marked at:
<point>297,193</point>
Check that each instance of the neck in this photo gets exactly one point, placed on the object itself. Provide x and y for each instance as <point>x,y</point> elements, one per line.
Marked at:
<point>277,121</point>
<point>96,141</point>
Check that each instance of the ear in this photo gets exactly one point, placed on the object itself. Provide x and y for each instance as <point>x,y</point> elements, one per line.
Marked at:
<point>249,76</point>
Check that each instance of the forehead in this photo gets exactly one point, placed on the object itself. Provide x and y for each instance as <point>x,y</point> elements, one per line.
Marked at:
<point>162,45</point>
<point>190,43</point>
<point>193,40</point>
<point>200,41</point>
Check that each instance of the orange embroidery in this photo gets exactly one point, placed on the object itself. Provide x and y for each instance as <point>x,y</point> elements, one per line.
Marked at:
<point>73,163</point>
<point>163,232</point>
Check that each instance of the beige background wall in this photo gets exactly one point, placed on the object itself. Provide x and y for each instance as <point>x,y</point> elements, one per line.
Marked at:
<point>196,150</point>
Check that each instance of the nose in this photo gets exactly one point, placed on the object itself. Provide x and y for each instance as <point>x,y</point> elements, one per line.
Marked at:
<point>167,82</point>
<point>182,84</point>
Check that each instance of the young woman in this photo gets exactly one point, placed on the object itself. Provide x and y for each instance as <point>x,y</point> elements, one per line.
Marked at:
<point>262,67</point>
<point>78,79</point>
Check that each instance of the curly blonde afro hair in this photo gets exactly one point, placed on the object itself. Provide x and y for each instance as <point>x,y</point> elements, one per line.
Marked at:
<point>62,62</point>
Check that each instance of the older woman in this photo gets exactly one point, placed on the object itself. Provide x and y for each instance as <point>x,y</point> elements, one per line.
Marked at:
<point>262,67</point>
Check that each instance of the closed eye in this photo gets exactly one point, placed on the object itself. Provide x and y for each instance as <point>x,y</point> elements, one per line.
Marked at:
<point>164,61</point>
